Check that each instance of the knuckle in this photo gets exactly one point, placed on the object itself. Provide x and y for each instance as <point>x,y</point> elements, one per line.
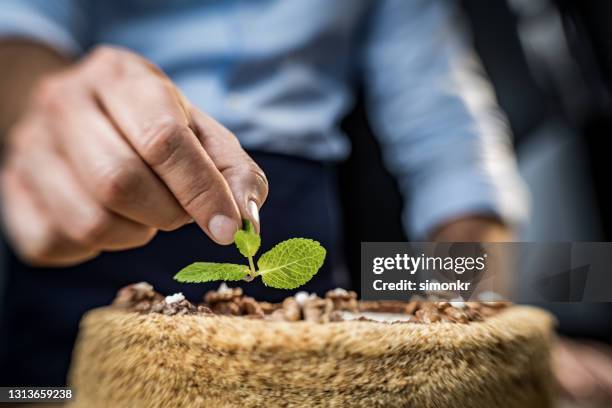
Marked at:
<point>161,139</point>
<point>204,193</point>
<point>40,249</point>
<point>104,63</point>
<point>93,230</point>
<point>174,222</point>
<point>115,62</point>
<point>135,238</point>
<point>257,180</point>
<point>103,53</point>
<point>49,94</point>
<point>118,184</point>
<point>260,181</point>
<point>252,175</point>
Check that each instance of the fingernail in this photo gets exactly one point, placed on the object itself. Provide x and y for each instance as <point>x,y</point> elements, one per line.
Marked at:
<point>254,212</point>
<point>222,228</point>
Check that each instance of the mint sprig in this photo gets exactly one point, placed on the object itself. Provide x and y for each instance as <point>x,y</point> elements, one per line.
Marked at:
<point>210,271</point>
<point>247,240</point>
<point>288,265</point>
<point>291,263</point>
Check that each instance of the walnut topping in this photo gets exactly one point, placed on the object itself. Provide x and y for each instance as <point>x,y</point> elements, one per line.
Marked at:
<point>177,297</point>
<point>226,308</point>
<point>455,315</point>
<point>269,308</point>
<point>138,296</point>
<point>277,315</point>
<point>203,310</point>
<point>428,313</point>
<point>225,294</point>
<point>182,307</point>
<point>230,301</point>
<point>292,310</point>
<point>343,300</point>
<point>318,310</point>
<point>338,305</point>
<point>251,307</point>
<point>303,297</point>
<point>411,307</point>
<point>387,306</point>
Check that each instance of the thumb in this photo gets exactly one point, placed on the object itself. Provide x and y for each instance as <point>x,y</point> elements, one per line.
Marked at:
<point>246,179</point>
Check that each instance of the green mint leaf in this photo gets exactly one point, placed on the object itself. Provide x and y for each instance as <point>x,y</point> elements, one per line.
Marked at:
<point>247,240</point>
<point>211,271</point>
<point>291,263</point>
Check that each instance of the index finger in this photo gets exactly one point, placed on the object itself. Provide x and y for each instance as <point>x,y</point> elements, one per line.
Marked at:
<point>146,108</point>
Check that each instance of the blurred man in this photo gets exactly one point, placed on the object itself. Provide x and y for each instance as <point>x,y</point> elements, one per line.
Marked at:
<point>103,149</point>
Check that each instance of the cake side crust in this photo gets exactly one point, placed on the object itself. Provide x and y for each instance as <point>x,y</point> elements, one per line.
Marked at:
<point>133,359</point>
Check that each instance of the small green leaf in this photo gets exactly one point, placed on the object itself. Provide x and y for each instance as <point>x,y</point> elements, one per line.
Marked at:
<point>247,240</point>
<point>211,271</point>
<point>291,263</point>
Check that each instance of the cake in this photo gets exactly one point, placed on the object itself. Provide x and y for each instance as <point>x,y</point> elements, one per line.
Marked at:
<point>147,350</point>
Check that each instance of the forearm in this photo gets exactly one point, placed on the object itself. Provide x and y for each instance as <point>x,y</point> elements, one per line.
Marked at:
<point>23,63</point>
<point>442,134</point>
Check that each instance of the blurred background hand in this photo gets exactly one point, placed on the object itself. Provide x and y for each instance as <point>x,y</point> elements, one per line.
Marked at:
<point>584,372</point>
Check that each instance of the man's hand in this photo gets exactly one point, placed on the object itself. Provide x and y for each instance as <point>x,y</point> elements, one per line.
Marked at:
<point>473,228</point>
<point>107,152</point>
<point>480,228</point>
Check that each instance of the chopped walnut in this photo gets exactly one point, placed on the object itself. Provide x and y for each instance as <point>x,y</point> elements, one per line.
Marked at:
<point>412,307</point>
<point>278,315</point>
<point>269,308</point>
<point>387,306</point>
<point>292,310</point>
<point>250,307</point>
<point>134,293</point>
<point>496,305</point>
<point>343,300</point>
<point>428,313</point>
<point>138,296</point>
<point>226,308</point>
<point>486,310</point>
<point>336,316</point>
<point>215,296</point>
<point>474,315</point>
<point>203,310</point>
<point>318,310</point>
<point>230,301</point>
<point>182,307</point>
<point>455,315</point>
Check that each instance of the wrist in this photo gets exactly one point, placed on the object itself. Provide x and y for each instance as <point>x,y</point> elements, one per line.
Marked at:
<point>473,228</point>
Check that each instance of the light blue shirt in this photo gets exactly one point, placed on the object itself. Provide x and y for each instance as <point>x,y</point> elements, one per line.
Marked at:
<point>281,73</point>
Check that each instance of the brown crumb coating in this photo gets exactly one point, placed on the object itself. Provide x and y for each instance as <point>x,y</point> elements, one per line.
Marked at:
<point>142,298</point>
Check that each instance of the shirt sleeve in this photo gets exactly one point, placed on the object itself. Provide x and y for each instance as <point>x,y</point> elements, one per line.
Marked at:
<point>59,24</point>
<point>436,117</point>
